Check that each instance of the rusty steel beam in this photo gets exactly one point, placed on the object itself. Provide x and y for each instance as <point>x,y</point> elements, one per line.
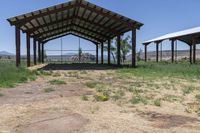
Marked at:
<point>71,25</point>
<point>172,50</point>
<point>39,52</point>
<point>190,54</point>
<point>134,48</point>
<point>42,52</point>
<point>34,51</point>
<point>157,51</point>
<point>28,50</point>
<point>18,45</point>
<point>194,52</point>
<point>72,30</point>
<point>102,58</point>
<point>145,53</point>
<point>109,45</point>
<point>97,53</point>
<point>45,41</point>
<point>118,50</point>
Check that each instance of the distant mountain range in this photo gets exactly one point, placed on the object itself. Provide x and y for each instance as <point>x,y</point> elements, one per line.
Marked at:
<point>5,53</point>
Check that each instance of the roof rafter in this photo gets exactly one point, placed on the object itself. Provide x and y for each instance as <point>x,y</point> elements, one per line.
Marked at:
<point>69,30</point>
<point>74,34</point>
<point>109,16</point>
<point>27,19</point>
<point>71,25</point>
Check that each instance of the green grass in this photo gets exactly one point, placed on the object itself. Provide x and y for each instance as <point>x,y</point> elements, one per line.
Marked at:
<point>162,69</point>
<point>57,82</point>
<point>10,75</point>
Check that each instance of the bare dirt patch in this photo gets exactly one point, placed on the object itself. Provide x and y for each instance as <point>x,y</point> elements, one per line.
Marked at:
<point>166,121</point>
<point>35,90</point>
<point>54,123</point>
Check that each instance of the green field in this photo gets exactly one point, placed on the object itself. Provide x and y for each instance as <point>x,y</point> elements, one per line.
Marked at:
<point>10,75</point>
<point>163,69</point>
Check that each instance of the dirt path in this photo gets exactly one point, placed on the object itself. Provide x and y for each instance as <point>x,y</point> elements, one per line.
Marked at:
<point>28,108</point>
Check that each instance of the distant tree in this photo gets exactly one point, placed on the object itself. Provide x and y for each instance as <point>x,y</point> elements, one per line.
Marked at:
<point>139,55</point>
<point>112,50</point>
<point>125,47</point>
<point>80,51</point>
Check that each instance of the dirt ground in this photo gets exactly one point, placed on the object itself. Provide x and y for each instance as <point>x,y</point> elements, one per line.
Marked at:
<point>29,109</point>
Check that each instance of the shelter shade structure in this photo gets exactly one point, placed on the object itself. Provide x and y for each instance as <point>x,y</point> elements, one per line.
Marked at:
<point>189,36</point>
<point>77,17</point>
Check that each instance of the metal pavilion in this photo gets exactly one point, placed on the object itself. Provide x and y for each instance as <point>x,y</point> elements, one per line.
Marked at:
<point>77,17</point>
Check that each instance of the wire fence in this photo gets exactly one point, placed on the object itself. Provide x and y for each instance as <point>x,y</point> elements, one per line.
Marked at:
<point>70,56</point>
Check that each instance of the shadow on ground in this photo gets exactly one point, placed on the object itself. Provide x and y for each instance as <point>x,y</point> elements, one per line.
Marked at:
<point>78,66</point>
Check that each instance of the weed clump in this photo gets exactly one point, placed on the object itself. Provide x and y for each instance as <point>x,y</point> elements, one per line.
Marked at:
<point>118,95</point>
<point>101,97</point>
<point>157,102</point>
<point>48,90</point>
<point>91,84</point>
<point>57,82</point>
<point>198,97</point>
<point>139,99</point>
<point>188,90</point>
<point>1,95</point>
<point>85,98</point>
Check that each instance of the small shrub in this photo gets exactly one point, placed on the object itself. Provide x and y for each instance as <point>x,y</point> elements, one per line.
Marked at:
<point>56,74</point>
<point>28,92</point>
<point>85,98</point>
<point>23,80</point>
<point>171,98</point>
<point>139,99</point>
<point>83,72</point>
<point>48,90</point>
<point>45,73</point>
<point>1,95</point>
<point>198,97</point>
<point>118,95</point>
<point>135,90</point>
<point>73,74</point>
<point>57,82</point>
<point>101,97</point>
<point>157,102</point>
<point>91,84</point>
<point>188,90</point>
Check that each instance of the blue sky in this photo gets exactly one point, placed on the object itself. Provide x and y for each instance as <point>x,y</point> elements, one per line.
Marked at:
<point>159,17</point>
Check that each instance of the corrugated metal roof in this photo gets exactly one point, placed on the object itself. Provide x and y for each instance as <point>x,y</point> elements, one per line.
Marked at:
<point>183,33</point>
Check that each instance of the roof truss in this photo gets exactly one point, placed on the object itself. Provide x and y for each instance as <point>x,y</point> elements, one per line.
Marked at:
<point>79,16</point>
